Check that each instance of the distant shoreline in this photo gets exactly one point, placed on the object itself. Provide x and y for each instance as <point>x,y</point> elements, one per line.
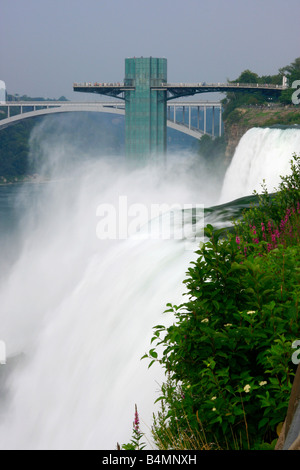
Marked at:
<point>32,179</point>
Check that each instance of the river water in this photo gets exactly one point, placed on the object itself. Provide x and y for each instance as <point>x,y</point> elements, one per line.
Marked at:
<point>77,311</point>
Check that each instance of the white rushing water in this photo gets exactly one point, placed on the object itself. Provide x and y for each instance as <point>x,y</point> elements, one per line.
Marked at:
<point>81,310</point>
<point>260,154</point>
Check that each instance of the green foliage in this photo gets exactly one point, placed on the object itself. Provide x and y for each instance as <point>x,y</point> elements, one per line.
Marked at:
<point>17,97</point>
<point>285,119</point>
<point>14,149</point>
<point>275,218</point>
<point>235,100</point>
<point>247,77</point>
<point>292,72</point>
<point>227,356</point>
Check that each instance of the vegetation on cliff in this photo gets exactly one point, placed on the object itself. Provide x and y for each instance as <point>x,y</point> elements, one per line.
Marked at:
<point>257,98</point>
<point>242,111</point>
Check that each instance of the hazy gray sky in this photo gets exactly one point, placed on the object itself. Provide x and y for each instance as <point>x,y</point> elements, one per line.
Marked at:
<point>46,45</point>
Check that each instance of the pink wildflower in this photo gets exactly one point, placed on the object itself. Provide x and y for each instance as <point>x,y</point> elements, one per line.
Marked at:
<point>136,423</point>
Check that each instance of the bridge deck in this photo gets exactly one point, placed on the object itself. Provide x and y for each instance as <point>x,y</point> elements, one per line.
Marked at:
<point>175,90</point>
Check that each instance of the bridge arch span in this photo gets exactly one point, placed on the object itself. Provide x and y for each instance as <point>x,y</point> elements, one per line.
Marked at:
<point>59,109</point>
<point>46,108</point>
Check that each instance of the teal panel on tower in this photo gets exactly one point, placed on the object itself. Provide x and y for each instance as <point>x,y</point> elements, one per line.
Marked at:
<point>145,108</point>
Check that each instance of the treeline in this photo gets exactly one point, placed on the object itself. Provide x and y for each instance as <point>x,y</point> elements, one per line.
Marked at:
<point>17,97</point>
<point>235,100</point>
<point>14,150</point>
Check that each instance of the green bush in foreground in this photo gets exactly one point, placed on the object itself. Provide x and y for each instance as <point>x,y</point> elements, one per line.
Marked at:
<point>227,356</point>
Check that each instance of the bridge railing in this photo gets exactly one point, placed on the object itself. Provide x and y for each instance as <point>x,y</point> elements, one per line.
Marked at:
<point>270,86</point>
<point>97,84</point>
<point>223,85</point>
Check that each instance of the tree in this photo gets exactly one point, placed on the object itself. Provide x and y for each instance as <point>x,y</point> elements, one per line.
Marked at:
<point>247,77</point>
<point>234,100</point>
<point>292,73</point>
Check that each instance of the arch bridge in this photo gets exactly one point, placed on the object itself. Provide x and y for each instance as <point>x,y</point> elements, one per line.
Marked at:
<point>189,117</point>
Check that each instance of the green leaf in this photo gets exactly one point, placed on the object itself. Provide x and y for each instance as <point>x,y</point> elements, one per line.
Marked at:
<point>263,422</point>
<point>153,353</point>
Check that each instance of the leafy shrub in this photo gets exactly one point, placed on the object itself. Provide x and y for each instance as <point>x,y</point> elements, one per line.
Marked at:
<point>227,355</point>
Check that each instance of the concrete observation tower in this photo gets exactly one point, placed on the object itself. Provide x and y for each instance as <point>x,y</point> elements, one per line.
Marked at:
<point>145,105</point>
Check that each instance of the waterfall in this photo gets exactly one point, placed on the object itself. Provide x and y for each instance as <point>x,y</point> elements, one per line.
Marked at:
<point>262,154</point>
<point>77,312</point>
